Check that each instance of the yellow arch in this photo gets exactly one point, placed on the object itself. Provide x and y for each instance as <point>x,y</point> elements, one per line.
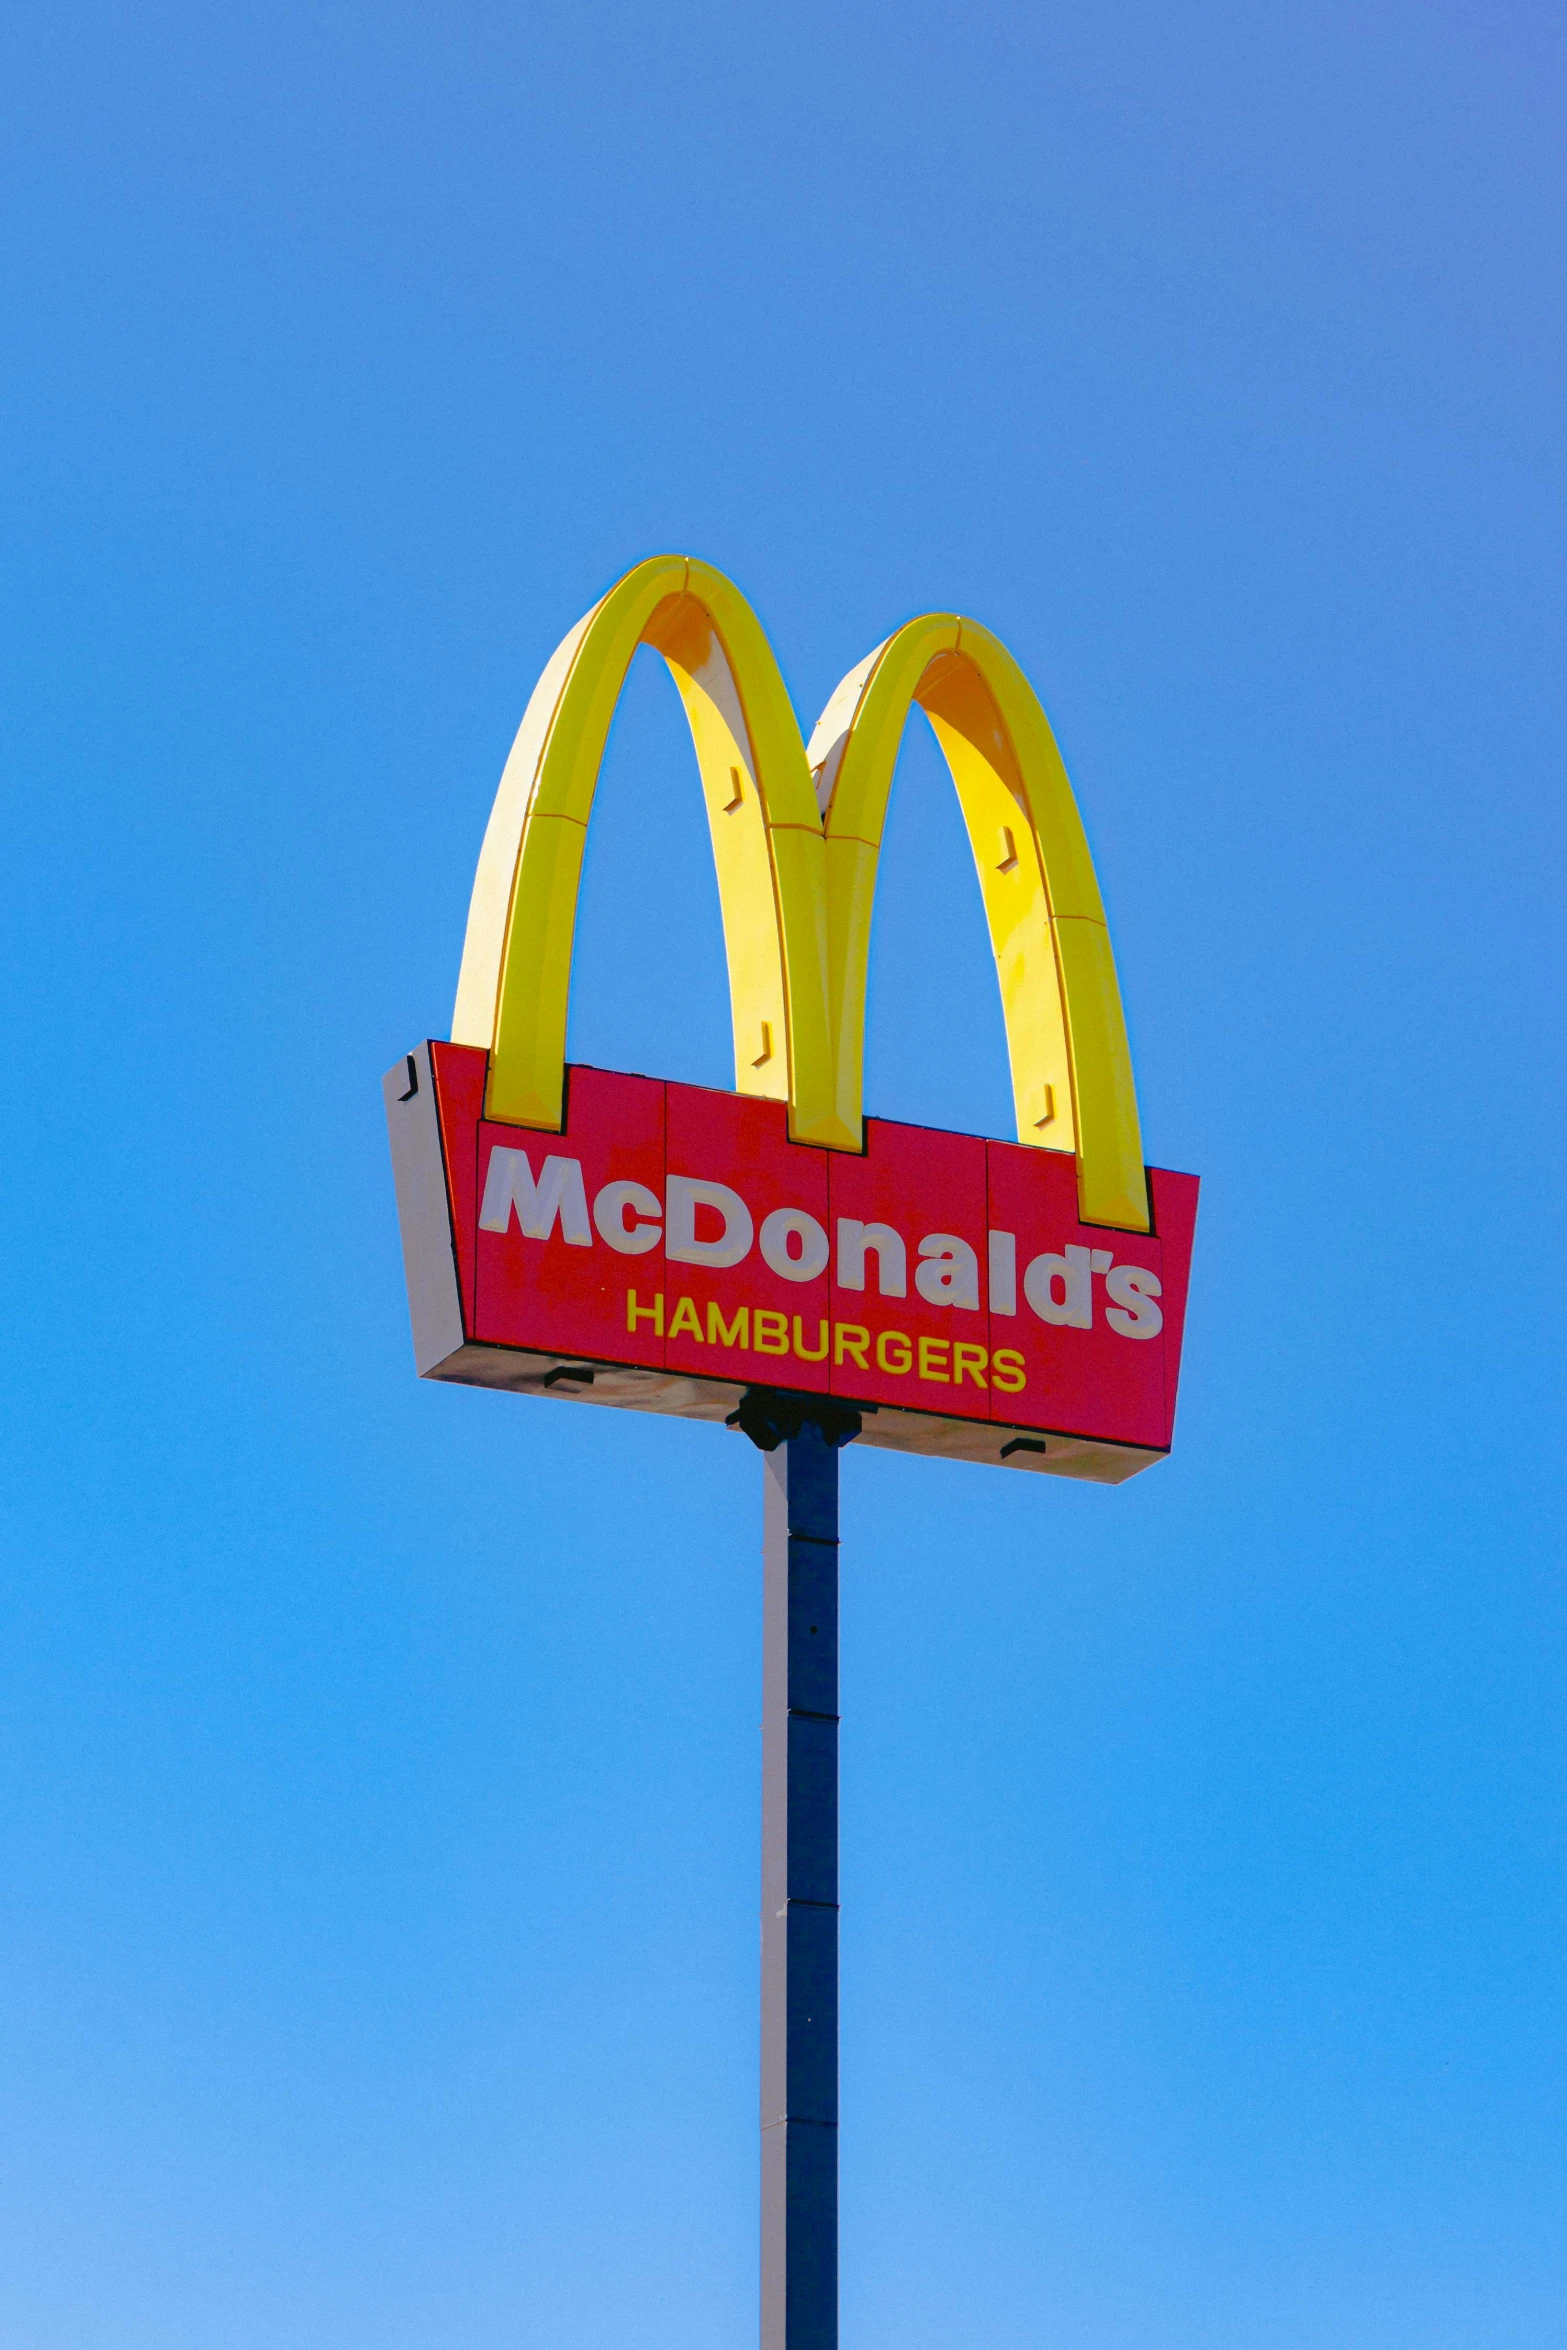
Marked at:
<point>797,870</point>
<point>768,849</point>
<point>1066,1032</point>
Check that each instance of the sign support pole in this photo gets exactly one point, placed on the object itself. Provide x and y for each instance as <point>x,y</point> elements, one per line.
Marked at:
<point>800,1896</point>
<point>801,1436</point>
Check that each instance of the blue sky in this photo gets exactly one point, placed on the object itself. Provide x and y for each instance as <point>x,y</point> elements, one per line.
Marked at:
<point>380,1761</point>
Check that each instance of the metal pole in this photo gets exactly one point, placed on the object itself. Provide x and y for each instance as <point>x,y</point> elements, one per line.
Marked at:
<point>800,1896</point>
<point>801,1436</point>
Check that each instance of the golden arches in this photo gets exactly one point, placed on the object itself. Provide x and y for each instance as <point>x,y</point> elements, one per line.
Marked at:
<point>767,847</point>
<point>1066,1033</point>
<point>797,870</point>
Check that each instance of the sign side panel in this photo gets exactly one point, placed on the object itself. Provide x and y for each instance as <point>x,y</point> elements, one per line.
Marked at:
<point>423,1210</point>
<point>743,1319</point>
<point>924,1348</point>
<point>461,1071</point>
<point>1081,1373</point>
<point>568,1260</point>
<point>1174,1200</point>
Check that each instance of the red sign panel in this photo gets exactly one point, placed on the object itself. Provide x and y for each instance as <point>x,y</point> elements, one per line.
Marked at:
<point>671,1247</point>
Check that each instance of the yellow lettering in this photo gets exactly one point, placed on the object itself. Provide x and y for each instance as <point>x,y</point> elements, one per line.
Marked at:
<point>803,1351</point>
<point>685,1319</point>
<point>930,1368</point>
<point>850,1339</point>
<point>735,1333</point>
<point>653,1313</point>
<point>1007,1372</point>
<point>905,1353</point>
<point>769,1332</point>
<point>969,1361</point>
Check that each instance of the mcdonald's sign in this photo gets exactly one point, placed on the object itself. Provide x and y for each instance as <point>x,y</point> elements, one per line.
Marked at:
<point>575,1232</point>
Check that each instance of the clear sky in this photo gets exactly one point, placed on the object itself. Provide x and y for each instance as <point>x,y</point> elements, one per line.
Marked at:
<point>380,1761</point>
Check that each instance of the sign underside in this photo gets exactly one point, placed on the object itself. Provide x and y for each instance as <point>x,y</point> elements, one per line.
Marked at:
<point>671,1247</point>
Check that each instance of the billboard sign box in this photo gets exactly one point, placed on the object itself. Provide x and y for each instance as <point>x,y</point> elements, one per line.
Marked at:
<point>668,1247</point>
